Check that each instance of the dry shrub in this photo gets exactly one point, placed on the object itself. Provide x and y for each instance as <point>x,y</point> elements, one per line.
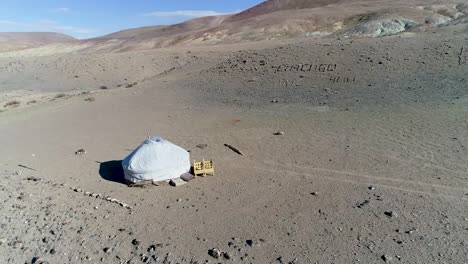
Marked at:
<point>60,95</point>
<point>90,99</point>
<point>13,103</point>
<point>104,87</point>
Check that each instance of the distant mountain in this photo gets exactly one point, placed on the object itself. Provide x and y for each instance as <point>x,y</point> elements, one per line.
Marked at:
<point>274,19</point>
<point>22,40</point>
<point>277,19</point>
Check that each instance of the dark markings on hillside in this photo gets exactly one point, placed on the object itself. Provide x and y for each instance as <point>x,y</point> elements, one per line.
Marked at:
<point>304,67</point>
<point>341,79</point>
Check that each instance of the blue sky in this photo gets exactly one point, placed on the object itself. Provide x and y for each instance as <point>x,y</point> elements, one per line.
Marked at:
<point>90,18</point>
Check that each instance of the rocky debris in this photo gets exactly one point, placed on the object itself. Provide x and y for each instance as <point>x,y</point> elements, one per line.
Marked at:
<point>33,179</point>
<point>371,188</point>
<point>274,101</point>
<point>202,146</point>
<point>361,205</point>
<point>226,255</point>
<point>279,133</point>
<point>136,242</point>
<point>250,242</point>
<point>80,152</point>
<point>387,258</point>
<point>381,27</point>
<point>107,250</point>
<point>144,258</point>
<point>215,253</point>
<point>391,214</point>
<point>101,197</point>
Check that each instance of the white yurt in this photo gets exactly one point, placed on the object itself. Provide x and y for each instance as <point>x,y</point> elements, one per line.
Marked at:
<point>156,160</point>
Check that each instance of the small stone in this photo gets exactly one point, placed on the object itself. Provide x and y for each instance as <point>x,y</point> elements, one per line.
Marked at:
<point>250,242</point>
<point>80,152</point>
<point>107,250</point>
<point>202,146</point>
<point>144,258</point>
<point>391,214</point>
<point>314,193</point>
<point>152,248</point>
<point>33,179</point>
<point>52,251</point>
<point>387,258</point>
<point>226,255</point>
<point>371,188</point>
<point>279,133</point>
<point>135,242</point>
<point>215,253</point>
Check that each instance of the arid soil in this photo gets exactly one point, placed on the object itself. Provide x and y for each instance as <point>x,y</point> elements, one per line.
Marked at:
<point>371,165</point>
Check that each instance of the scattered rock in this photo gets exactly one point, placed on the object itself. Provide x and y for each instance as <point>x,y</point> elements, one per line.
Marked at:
<point>135,242</point>
<point>33,179</point>
<point>371,188</point>
<point>52,251</point>
<point>250,242</point>
<point>361,205</point>
<point>80,152</point>
<point>202,146</point>
<point>152,248</point>
<point>391,214</point>
<point>226,255</point>
<point>215,253</point>
<point>387,258</point>
<point>279,133</point>
<point>107,250</point>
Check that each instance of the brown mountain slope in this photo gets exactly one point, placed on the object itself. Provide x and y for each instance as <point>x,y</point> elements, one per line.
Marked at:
<point>281,5</point>
<point>282,19</point>
<point>276,19</point>
<point>22,40</point>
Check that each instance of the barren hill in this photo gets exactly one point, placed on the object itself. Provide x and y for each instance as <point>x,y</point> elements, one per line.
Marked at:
<point>285,19</point>
<point>22,40</point>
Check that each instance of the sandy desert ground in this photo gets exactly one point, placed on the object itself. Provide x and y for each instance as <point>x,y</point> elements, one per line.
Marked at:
<point>372,166</point>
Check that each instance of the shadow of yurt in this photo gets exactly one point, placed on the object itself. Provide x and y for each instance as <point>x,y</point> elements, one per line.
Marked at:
<point>112,171</point>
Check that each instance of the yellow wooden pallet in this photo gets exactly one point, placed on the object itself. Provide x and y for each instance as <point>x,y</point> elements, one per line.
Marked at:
<point>203,168</point>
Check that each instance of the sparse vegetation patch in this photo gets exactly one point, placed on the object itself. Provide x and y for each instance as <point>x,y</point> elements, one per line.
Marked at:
<point>12,104</point>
